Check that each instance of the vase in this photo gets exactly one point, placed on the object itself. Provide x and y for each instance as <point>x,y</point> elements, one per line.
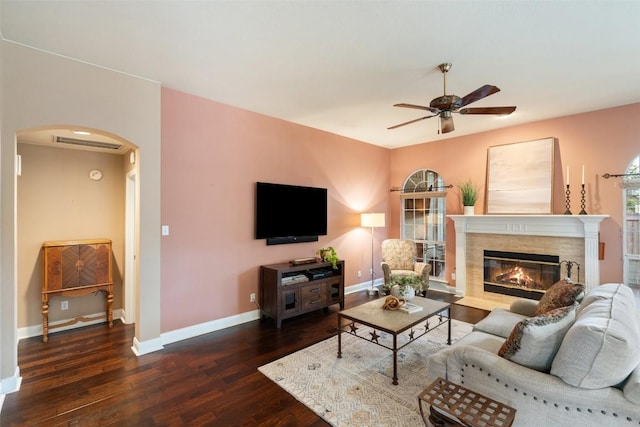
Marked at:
<point>407,292</point>
<point>469,210</point>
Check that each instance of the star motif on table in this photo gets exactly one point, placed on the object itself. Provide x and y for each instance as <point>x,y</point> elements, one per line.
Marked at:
<point>353,328</point>
<point>374,336</point>
<point>411,334</point>
<point>426,326</point>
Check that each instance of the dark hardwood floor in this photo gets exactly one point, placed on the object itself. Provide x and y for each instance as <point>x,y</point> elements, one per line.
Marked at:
<point>90,377</point>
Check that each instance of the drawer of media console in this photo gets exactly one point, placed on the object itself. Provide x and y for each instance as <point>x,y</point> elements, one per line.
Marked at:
<point>313,296</point>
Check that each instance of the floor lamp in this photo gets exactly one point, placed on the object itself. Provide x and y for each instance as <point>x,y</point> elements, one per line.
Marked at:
<point>372,220</point>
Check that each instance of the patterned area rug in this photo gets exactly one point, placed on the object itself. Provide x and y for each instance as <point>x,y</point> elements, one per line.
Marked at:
<point>357,389</point>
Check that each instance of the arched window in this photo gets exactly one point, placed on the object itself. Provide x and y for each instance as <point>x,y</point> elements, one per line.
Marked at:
<point>423,218</point>
<point>631,227</point>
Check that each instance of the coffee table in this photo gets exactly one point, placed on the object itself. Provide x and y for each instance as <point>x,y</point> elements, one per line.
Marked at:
<point>394,323</point>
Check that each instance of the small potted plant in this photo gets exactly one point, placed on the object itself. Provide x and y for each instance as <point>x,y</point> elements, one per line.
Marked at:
<point>405,285</point>
<point>469,195</point>
<point>329,255</point>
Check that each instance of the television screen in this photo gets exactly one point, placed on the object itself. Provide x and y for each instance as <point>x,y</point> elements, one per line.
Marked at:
<point>290,213</point>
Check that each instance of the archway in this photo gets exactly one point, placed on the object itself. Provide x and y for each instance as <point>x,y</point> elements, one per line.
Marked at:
<point>57,199</point>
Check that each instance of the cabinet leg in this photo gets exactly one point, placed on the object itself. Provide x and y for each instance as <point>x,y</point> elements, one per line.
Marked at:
<point>110,308</point>
<point>45,318</point>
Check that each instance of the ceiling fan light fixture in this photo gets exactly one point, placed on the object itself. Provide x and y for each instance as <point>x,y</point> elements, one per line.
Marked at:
<point>445,66</point>
<point>444,102</point>
<point>444,105</point>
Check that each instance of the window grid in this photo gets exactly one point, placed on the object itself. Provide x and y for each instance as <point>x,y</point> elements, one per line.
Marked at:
<point>423,219</point>
<point>631,232</point>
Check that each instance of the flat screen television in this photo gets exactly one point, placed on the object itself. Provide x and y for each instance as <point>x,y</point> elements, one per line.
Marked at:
<point>290,213</point>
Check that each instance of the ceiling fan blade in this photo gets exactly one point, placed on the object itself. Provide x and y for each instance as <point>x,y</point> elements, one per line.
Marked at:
<point>476,95</point>
<point>488,110</point>
<point>418,107</point>
<point>411,121</point>
<point>446,124</point>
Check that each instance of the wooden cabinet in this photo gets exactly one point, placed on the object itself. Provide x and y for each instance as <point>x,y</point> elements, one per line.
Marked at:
<point>74,268</point>
<point>289,290</point>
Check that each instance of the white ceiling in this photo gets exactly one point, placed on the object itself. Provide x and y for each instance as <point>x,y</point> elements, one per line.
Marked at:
<point>341,65</point>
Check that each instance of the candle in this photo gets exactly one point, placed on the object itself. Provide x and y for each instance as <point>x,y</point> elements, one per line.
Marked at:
<point>582,174</point>
<point>567,174</point>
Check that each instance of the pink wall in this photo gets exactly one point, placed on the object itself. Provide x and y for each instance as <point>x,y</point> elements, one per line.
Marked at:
<point>212,155</point>
<point>602,141</point>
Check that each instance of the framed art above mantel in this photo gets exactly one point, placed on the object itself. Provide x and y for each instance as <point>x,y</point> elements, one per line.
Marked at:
<point>520,178</point>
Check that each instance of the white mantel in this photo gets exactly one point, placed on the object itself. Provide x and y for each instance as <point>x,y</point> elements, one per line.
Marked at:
<point>581,226</point>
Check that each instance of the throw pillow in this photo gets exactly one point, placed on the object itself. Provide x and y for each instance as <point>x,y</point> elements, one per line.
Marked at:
<point>534,342</point>
<point>601,348</point>
<point>560,294</point>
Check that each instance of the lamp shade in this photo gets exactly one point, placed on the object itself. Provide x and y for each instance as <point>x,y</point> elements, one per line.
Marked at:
<point>371,220</point>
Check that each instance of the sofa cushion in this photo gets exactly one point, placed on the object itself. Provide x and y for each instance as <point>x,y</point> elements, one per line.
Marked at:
<point>560,294</point>
<point>499,322</point>
<point>438,361</point>
<point>489,342</point>
<point>631,389</point>
<point>534,342</point>
<point>603,345</point>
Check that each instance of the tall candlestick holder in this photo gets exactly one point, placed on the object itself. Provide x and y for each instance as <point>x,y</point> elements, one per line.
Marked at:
<point>582,193</point>
<point>567,203</point>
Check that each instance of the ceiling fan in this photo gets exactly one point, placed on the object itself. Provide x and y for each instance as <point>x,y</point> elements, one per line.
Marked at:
<point>445,105</point>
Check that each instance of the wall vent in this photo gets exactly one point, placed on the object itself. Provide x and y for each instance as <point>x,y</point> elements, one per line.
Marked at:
<point>86,143</point>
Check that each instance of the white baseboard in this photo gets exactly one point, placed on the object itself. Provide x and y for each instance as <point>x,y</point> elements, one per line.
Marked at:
<point>207,327</point>
<point>238,319</point>
<point>10,385</point>
<point>35,330</point>
<point>362,286</point>
<point>143,347</point>
<point>140,348</point>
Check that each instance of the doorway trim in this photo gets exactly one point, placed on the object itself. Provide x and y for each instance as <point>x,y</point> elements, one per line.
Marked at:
<point>130,257</point>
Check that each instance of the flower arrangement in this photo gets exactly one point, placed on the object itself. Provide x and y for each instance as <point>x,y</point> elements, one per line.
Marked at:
<point>404,282</point>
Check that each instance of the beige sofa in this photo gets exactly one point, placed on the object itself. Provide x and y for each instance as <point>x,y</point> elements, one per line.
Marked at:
<point>571,366</point>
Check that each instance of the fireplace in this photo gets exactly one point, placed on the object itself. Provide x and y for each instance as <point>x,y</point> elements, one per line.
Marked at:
<point>571,237</point>
<point>518,274</point>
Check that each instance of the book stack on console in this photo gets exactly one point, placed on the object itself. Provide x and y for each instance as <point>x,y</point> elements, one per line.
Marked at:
<point>410,308</point>
<point>292,280</point>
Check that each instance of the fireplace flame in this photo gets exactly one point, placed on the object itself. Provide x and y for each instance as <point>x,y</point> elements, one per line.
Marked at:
<point>517,276</point>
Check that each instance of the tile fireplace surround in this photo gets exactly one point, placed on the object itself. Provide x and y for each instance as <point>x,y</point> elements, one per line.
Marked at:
<point>571,237</point>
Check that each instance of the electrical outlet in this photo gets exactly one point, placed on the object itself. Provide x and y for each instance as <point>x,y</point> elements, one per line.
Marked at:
<point>371,272</point>
<point>252,298</point>
<point>359,274</point>
<point>453,276</point>
<point>64,305</point>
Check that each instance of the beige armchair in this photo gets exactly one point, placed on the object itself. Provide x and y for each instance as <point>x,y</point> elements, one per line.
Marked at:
<point>399,257</point>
